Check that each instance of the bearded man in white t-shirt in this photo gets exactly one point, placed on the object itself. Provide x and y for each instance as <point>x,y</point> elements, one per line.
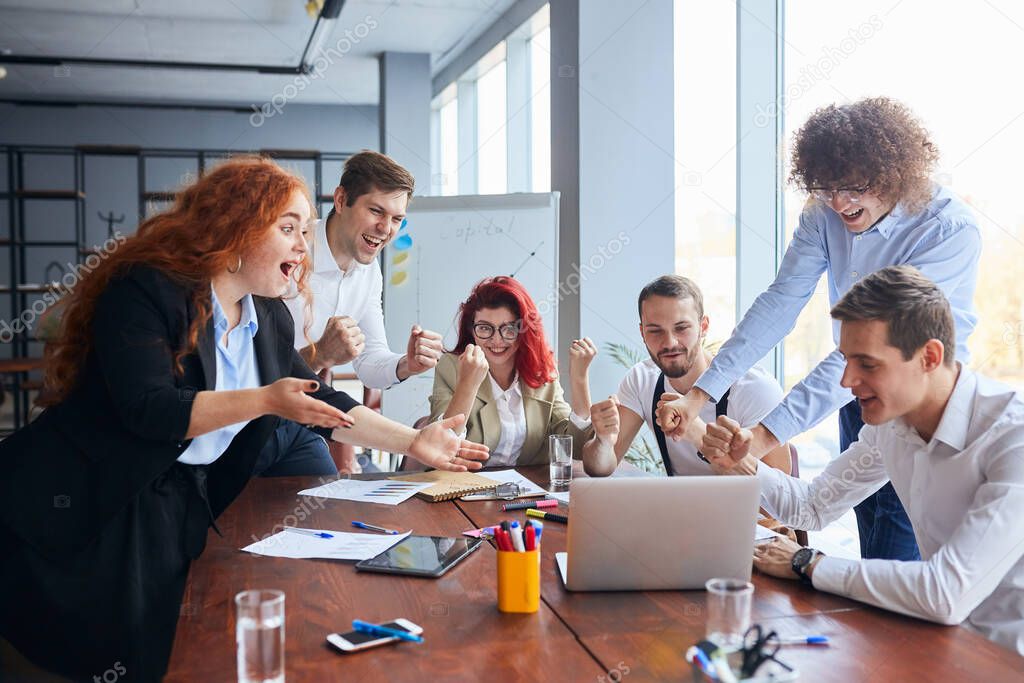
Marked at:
<point>673,326</point>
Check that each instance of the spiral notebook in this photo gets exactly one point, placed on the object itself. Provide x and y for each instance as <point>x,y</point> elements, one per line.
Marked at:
<point>448,485</point>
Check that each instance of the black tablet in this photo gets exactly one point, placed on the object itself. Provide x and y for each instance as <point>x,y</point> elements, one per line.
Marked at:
<point>421,556</point>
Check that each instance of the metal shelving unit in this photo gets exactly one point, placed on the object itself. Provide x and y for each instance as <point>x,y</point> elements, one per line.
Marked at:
<point>18,240</point>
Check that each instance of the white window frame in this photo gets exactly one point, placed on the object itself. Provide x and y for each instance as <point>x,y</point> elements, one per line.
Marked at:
<point>759,166</point>
<point>514,50</point>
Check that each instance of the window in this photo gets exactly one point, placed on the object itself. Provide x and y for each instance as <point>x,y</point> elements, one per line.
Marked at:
<point>540,107</point>
<point>448,118</point>
<point>492,151</point>
<point>705,152</point>
<point>505,121</point>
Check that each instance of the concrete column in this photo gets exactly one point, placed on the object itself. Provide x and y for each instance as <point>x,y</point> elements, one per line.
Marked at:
<point>612,142</point>
<point>405,92</point>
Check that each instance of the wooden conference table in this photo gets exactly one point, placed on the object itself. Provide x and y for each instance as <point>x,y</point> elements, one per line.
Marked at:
<point>632,636</point>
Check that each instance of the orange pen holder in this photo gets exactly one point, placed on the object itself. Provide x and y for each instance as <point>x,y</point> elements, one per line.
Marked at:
<point>519,581</point>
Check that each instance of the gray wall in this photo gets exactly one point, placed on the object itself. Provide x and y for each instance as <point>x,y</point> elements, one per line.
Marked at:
<point>327,128</point>
<point>612,158</point>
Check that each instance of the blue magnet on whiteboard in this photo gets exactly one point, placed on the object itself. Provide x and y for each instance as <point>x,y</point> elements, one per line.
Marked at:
<point>402,243</point>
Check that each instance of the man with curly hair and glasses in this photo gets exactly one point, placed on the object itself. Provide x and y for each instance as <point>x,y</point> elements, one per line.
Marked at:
<point>872,204</point>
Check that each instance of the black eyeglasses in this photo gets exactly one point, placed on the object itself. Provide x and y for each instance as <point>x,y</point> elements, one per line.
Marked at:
<point>759,646</point>
<point>508,331</point>
<point>849,194</point>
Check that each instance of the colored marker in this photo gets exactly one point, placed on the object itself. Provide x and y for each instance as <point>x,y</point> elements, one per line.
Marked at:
<point>697,654</point>
<point>549,516</point>
<point>375,629</point>
<point>373,527</point>
<point>501,537</point>
<point>517,537</point>
<point>321,534</point>
<point>552,503</point>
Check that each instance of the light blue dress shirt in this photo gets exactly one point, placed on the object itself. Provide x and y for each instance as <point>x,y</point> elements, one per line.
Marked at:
<point>236,369</point>
<point>942,241</point>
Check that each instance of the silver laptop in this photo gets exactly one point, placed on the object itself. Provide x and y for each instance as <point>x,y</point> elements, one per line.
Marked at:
<point>651,533</point>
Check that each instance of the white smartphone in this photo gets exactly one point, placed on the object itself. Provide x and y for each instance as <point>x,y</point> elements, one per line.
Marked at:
<point>354,641</point>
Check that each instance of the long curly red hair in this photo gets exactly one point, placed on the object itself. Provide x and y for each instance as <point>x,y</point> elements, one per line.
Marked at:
<point>224,215</point>
<point>535,361</point>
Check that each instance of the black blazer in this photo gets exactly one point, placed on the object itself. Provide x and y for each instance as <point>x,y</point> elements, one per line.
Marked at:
<point>71,470</point>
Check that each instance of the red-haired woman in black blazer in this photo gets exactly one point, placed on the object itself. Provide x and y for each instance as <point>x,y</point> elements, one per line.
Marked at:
<point>174,365</point>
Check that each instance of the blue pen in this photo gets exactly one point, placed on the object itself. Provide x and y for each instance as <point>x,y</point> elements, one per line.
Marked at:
<point>803,640</point>
<point>366,627</point>
<point>321,534</point>
<point>373,527</point>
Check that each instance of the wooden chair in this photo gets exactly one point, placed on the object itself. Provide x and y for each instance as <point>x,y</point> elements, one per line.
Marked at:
<point>344,453</point>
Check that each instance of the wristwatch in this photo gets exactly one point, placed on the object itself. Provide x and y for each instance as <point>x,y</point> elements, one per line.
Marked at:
<point>802,559</point>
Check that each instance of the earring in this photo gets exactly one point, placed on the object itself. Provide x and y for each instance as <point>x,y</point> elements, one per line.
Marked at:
<point>237,268</point>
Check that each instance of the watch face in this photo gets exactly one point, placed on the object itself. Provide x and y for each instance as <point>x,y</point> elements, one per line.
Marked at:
<point>801,558</point>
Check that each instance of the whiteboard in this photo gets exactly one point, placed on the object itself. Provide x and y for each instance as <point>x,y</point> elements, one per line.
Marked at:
<point>448,245</point>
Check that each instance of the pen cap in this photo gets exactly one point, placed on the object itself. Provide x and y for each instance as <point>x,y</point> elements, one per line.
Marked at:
<point>519,581</point>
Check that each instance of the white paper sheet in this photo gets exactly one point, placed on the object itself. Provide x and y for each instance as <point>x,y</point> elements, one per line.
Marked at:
<point>344,546</point>
<point>763,534</point>
<point>383,491</point>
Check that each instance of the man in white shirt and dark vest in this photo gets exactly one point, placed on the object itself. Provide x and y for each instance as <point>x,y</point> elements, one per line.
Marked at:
<point>951,441</point>
<point>673,326</point>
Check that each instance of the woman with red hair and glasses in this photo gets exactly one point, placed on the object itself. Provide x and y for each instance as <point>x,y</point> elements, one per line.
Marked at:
<point>173,366</point>
<point>502,376</point>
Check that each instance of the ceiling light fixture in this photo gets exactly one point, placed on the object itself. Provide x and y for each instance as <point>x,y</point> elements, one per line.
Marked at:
<point>325,21</point>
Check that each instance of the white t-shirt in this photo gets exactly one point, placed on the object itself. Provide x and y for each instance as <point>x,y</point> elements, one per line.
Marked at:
<point>752,397</point>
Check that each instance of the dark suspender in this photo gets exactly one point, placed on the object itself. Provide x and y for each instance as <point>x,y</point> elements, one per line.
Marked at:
<point>720,409</point>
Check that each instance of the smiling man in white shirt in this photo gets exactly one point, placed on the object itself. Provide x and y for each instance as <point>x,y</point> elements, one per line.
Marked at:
<point>951,441</point>
<point>347,318</point>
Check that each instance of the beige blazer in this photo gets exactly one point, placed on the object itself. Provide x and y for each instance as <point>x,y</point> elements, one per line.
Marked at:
<point>545,408</point>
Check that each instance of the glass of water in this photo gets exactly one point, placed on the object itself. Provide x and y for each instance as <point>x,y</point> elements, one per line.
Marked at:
<point>560,460</point>
<point>728,604</point>
<point>259,634</point>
